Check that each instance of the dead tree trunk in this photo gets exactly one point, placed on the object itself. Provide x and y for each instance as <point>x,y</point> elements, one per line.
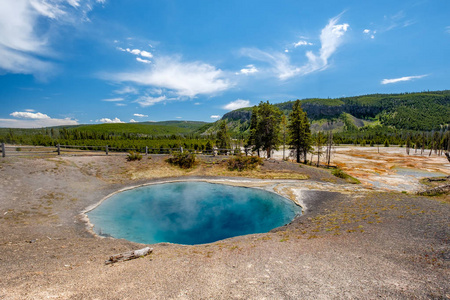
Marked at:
<point>129,255</point>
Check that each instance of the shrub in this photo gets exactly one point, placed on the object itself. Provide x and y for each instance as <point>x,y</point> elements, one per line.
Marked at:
<point>241,163</point>
<point>132,156</point>
<point>386,143</point>
<point>183,160</point>
<point>341,174</point>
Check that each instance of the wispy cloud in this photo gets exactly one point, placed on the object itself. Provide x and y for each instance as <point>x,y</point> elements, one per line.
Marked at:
<point>406,78</point>
<point>280,62</point>
<point>126,90</point>
<point>187,79</point>
<point>239,103</point>
<point>25,44</point>
<point>146,100</point>
<point>140,115</point>
<point>34,120</point>
<point>330,39</point>
<point>113,99</point>
<point>215,117</point>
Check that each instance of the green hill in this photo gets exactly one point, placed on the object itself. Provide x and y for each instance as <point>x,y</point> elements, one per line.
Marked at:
<point>424,111</point>
<point>145,128</point>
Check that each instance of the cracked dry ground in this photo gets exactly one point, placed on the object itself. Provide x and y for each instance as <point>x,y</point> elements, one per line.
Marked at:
<point>350,243</point>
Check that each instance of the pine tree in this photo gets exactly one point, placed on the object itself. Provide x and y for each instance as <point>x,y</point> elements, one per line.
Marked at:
<point>254,140</point>
<point>299,132</point>
<point>283,130</point>
<point>223,137</point>
<point>269,119</point>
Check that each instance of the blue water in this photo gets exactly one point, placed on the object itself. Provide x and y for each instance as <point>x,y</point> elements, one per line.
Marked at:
<point>417,172</point>
<point>190,213</point>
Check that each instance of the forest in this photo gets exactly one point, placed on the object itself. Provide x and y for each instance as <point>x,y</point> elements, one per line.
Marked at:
<point>419,120</point>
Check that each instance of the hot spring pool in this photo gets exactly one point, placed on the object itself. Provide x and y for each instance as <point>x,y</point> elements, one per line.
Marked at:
<point>190,213</point>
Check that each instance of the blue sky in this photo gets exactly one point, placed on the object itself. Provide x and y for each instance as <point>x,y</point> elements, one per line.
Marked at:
<point>96,61</point>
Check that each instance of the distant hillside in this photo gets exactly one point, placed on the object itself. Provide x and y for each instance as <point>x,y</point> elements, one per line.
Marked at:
<point>165,129</point>
<point>414,111</point>
<point>144,128</point>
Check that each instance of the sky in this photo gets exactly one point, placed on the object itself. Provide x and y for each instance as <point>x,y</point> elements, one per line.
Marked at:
<point>69,62</point>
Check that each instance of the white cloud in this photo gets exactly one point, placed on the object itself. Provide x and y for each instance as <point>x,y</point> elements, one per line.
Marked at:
<point>145,101</point>
<point>146,54</point>
<point>107,120</point>
<point>126,90</point>
<point>121,104</point>
<point>279,61</point>
<point>74,3</point>
<point>145,61</point>
<point>24,43</point>
<point>178,117</point>
<point>138,52</point>
<point>114,99</point>
<point>187,79</point>
<point>302,43</point>
<point>370,33</point>
<point>197,103</point>
<point>133,121</point>
<point>239,103</point>
<point>249,69</point>
<point>34,120</point>
<point>30,110</point>
<point>29,115</point>
<point>406,78</point>
<point>140,115</point>
<point>215,117</point>
<point>134,51</point>
<point>330,38</point>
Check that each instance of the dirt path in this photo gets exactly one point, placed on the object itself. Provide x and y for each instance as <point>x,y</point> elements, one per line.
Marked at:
<point>358,243</point>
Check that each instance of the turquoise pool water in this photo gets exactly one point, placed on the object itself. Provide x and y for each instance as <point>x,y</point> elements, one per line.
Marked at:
<point>190,213</point>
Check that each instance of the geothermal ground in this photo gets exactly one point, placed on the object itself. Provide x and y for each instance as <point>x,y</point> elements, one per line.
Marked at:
<point>376,239</point>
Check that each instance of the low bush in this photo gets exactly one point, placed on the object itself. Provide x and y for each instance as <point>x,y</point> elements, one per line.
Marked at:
<point>183,160</point>
<point>341,174</point>
<point>241,163</point>
<point>132,156</point>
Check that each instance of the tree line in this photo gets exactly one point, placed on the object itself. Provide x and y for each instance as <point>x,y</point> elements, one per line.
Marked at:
<point>269,129</point>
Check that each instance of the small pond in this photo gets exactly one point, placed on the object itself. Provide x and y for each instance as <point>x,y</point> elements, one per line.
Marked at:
<point>190,213</point>
<point>417,173</point>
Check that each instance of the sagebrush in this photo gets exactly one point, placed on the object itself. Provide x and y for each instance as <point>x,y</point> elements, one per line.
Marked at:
<point>184,160</point>
<point>241,163</point>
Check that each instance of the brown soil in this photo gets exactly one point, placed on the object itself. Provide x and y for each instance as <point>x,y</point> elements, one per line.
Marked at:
<point>353,244</point>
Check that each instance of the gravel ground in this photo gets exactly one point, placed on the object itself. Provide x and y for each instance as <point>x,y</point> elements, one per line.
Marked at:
<point>352,242</point>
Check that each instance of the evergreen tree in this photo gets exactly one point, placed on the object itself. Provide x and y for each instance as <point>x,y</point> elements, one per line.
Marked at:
<point>299,132</point>
<point>268,128</point>
<point>223,137</point>
<point>283,131</point>
<point>254,140</point>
